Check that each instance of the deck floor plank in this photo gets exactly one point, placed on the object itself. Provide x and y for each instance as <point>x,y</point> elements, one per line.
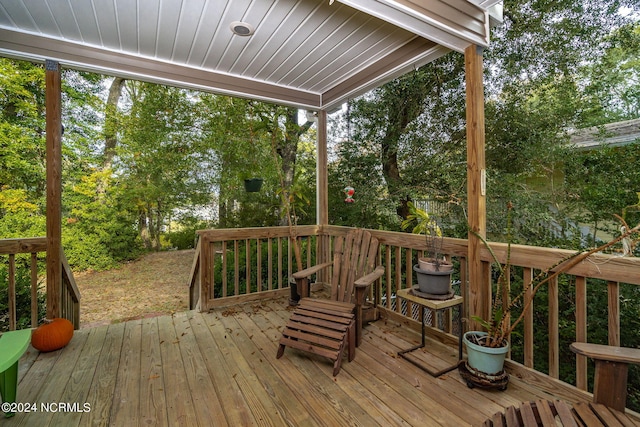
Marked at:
<point>203,328</point>
<point>219,368</point>
<point>104,381</point>
<point>126,403</point>
<point>208,407</point>
<point>448,389</point>
<point>80,382</point>
<point>152,402</point>
<point>180,410</point>
<point>243,370</point>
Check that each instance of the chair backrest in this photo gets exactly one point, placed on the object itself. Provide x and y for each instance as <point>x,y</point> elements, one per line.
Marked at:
<point>354,256</point>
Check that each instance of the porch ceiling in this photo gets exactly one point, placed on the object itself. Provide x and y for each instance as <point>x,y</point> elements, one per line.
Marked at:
<point>306,53</point>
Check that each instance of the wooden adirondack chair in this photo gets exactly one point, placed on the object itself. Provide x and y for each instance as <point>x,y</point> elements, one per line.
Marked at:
<point>327,327</point>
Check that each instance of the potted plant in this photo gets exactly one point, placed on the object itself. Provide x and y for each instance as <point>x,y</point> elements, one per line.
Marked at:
<point>433,271</point>
<point>486,350</point>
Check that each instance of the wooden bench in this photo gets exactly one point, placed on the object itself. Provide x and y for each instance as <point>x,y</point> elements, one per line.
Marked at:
<point>558,413</point>
<point>612,366</point>
<point>13,344</point>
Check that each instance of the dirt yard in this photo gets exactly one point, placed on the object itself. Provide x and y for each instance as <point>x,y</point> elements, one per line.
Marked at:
<point>153,285</point>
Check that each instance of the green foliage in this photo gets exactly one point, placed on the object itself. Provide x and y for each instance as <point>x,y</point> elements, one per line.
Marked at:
<point>613,82</point>
<point>98,232</point>
<point>604,182</point>
<point>258,279</point>
<point>185,235</point>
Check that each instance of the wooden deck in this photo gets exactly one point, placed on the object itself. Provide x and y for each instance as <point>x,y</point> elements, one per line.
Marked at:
<point>219,368</point>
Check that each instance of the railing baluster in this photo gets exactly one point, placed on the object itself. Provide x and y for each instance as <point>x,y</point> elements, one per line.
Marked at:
<point>236,267</point>
<point>554,345</point>
<point>613,291</point>
<point>408,258</point>
<point>269,263</point>
<point>247,250</point>
<point>398,281</point>
<point>464,292</point>
<point>289,258</point>
<point>224,278</point>
<point>528,318</point>
<point>279,263</point>
<point>581,330</point>
<point>34,289</point>
<point>258,265</point>
<point>12,292</point>
<point>389,290</point>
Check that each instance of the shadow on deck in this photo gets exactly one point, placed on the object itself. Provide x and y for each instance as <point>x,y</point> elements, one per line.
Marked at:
<point>219,368</point>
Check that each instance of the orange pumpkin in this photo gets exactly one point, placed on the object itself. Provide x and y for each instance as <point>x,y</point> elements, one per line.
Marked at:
<point>52,335</point>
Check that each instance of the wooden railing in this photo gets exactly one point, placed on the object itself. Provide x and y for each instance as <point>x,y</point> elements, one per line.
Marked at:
<point>31,248</point>
<point>223,278</point>
<point>246,263</point>
<point>593,274</point>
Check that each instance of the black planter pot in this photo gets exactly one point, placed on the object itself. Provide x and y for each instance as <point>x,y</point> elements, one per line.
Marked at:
<point>252,185</point>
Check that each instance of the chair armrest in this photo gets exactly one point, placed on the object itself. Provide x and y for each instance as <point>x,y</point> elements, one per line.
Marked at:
<point>368,279</point>
<point>311,270</point>
<point>607,352</point>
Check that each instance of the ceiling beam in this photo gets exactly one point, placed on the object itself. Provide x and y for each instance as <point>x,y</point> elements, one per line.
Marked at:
<point>435,20</point>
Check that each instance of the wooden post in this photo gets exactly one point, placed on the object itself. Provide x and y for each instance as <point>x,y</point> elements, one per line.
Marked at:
<point>322,182</point>
<point>479,298</point>
<point>322,194</point>
<point>53,102</point>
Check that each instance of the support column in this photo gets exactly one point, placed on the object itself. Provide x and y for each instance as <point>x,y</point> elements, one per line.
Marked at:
<point>322,181</point>
<point>53,104</point>
<point>479,298</point>
<point>322,193</point>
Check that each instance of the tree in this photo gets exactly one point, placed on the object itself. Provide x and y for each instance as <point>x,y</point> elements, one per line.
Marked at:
<point>158,159</point>
<point>22,128</point>
<point>612,84</point>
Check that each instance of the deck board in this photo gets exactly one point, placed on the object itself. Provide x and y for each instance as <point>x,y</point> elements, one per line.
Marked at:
<point>219,368</point>
<point>152,401</point>
<point>180,409</point>
<point>127,391</point>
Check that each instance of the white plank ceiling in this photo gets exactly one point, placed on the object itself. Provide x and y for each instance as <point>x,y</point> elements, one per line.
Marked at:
<point>306,53</point>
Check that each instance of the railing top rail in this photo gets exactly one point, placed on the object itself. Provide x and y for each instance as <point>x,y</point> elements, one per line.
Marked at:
<point>257,232</point>
<point>23,245</point>
<point>598,266</point>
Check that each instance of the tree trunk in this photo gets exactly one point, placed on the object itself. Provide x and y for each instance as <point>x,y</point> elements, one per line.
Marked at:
<point>287,149</point>
<point>143,229</point>
<point>111,121</point>
<point>407,109</point>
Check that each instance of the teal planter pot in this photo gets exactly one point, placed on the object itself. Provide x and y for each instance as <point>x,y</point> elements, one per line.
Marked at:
<point>487,360</point>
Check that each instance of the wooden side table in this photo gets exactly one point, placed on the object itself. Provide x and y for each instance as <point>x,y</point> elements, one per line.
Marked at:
<point>436,305</point>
